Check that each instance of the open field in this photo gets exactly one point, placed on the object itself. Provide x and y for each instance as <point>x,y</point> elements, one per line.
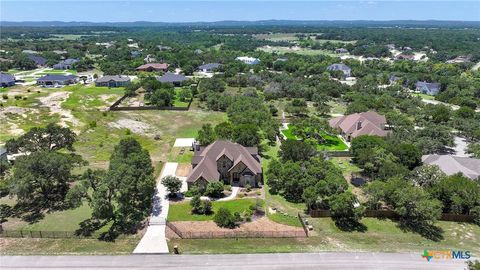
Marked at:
<point>331,143</point>
<point>278,36</point>
<point>297,50</point>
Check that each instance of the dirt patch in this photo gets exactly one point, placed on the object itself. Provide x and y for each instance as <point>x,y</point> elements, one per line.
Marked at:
<point>183,169</point>
<point>54,102</point>
<point>133,125</point>
<point>262,224</point>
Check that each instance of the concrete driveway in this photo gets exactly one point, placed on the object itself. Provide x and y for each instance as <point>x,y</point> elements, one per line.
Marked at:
<point>154,240</point>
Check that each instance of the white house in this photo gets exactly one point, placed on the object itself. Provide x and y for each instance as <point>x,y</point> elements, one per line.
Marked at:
<point>248,60</point>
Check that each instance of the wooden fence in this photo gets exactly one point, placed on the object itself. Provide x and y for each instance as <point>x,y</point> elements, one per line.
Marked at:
<point>235,234</point>
<point>302,221</point>
<point>391,214</point>
<point>115,107</point>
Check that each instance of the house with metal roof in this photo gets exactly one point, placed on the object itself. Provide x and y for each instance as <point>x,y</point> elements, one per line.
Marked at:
<point>149,67</point>
<point>66,64</point>
<point>427,88</point>
<point>470,167</point>
<point>358,124</point>
<point>210,67</point>
<point>168,77</point>
<point>347,71</point>
<point>225,161</point>
<point>6,80</point>
<point>57,80</point>
<point>112,81</point>
<point>248,60</point>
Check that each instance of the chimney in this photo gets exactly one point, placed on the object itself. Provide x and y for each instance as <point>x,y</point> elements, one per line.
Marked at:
<point>359,125</point>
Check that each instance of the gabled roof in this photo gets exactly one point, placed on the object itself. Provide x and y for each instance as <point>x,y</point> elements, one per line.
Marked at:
<point>37,59</point>
<point>357,124</point>
<point>432,87</point>
<point>117,78</point>
<point>6,78</point>
<point>54,77</point>
<point>171,78</point>
<point>341,67</point>
<point>206,159</point>
<point>154,66</point>
<point>470,167</point>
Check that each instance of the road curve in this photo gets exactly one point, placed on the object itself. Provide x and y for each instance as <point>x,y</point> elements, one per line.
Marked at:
<point>325,260</point>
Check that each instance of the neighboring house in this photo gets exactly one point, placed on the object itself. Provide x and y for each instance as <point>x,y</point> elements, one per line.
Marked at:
<point>149,59</point>
<point>459,59</point>
<point>66,64</point>
<point>282,59</point>
<point>153,67</point>
<point>406,48</point>
<point>29,52</point>
<point>39,61</point>
<point>168,77</point>
<point>6,80</point>
<point>393,79</point>
<point>427,88</point>
<point>164,48</point>
<point>470,167</point>
<point>248,60</point>
<point>208,68</point>
<point>357,124</point>
<point>347,71</point>
<point>391,46</point>
<point>55,80</point>
<point>59,52</point>
<point>135,54</point>
<point>405,57</point>
<point>112,81</point>
<point>225,161</point>
<point>198,51</point>
<point>341,50</point>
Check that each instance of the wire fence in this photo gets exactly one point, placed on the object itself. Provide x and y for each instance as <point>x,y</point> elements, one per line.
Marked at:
<point>235,234</point>
<point>48,234</point>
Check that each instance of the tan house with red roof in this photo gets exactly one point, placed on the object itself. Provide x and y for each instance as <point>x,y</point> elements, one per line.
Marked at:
<point>357,124</point>
<point>153,67</point>
<point>225,161</point>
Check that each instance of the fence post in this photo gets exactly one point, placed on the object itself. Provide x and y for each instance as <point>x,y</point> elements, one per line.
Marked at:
<point>21,233</point>
<point>41,234</point>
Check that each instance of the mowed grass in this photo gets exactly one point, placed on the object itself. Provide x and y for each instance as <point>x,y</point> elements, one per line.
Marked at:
<point>183,211</point>
<point>380,236</point>
<point>331,143</point>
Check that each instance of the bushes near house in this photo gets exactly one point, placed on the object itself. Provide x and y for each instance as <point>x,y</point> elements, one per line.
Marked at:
<point>214,190</point>
<point>225,219</point>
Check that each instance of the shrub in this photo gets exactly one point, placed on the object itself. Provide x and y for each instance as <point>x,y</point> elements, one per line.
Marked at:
<point>248,187</point>
<point>214,190</point>
<point>206,206</point>
<point>237,217</point>
<point>193,191</point>
<point>227,187</point>
<point>173,184</point>
<point>92,124</point>
<point>5,96</point>
<point>17,97</point>
<point>224,218</point>
<point>196,204</point>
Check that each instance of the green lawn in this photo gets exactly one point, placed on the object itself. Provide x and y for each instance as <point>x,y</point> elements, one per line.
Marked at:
<point>332,143</point>
<point>183,211</point>
<point>424,96</point>
<point>177,102</point>
<point>284,219</point>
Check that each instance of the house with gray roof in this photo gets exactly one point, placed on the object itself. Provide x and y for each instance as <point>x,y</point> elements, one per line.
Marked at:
<point>112,81</point>
<point>225,161</point>
<point>470,167</point>
<point>347,71</point>
<point>6,80</point>
<point>358,124</point>
<point>210,67</point>
<point>57,80</point>
<point>66,64</point>
<point>427,88</point>
<point>176,79</point>
<point>39,61</point>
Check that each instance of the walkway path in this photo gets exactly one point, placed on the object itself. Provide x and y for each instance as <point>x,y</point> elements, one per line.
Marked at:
<point>231,196</point>
<point>154,240</point>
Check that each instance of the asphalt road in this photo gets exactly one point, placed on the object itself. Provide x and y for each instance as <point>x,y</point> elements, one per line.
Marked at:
<point>326,260</point>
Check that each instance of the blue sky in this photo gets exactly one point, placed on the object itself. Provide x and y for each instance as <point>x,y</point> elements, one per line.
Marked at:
<point>194,11</point>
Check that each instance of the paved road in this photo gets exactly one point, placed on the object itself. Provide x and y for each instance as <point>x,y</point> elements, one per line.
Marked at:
<point>333,261</point>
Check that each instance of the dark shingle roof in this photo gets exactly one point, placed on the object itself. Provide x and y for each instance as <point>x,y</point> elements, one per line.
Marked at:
<point>171,78</point>
<point>6,78</point>
<point>209,66</point>
<point>341,67</point>
<point>432,87</point>
<point>53,77</point>
<point>37,59</point>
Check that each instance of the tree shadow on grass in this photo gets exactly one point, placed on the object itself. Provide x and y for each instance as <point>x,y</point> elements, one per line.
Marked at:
<point>349,225</point>
<point>425,229</point>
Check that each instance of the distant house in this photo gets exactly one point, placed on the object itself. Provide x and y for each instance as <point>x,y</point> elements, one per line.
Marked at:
<point>59,52</point>
<point>225,161</point>
<point>347,71</point>
<point>341,50</point>
<point>175,79</point>
<point>405,57</point>
<point>39,61</point>
<point>427,88</point>
<point>66,64</point>
<point>163,48</point>
<point>135,54</point>
<point>391,46</point>
<point>357,124</point>
<point>459,59</point>
<point>393,79</point>
<point>6,80</point>
<point>282,59</point>
<point>57,80</point>
<point>210,67</point>
<point>248,60</point>
<point>149,59</point>
<point>29,52</point>
<point>153,67</point>
<point>406,48</point>
<point>470,167</point>
<point>112,81</point>
<point>198,51</point>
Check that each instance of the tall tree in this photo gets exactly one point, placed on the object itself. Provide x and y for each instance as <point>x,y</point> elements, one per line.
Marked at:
<point>50,138</point>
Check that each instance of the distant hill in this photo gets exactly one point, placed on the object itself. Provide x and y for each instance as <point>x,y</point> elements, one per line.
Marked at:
<point>409,24</point>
